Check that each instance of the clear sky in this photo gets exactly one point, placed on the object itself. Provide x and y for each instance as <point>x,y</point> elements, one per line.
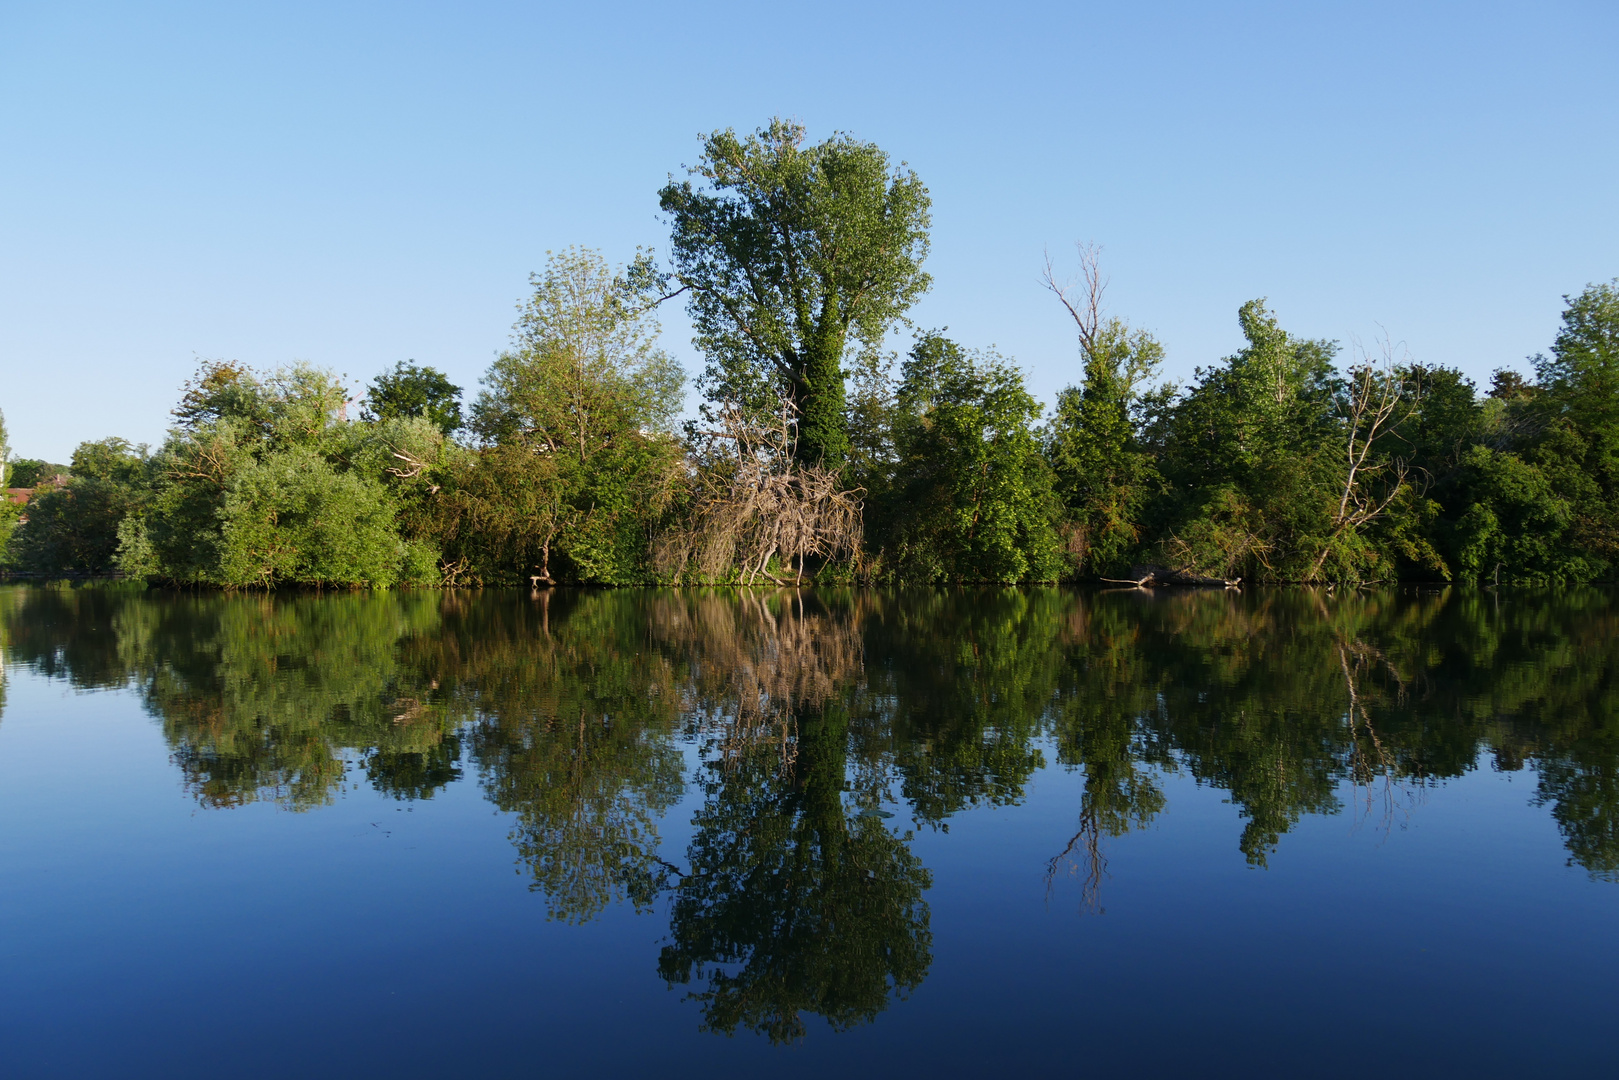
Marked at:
<point>356,184</point>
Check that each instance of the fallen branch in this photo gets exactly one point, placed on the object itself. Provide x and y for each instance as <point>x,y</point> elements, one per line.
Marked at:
<point>1149,577</point>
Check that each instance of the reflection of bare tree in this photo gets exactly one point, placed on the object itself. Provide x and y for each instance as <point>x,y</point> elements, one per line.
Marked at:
<point>1088,863</point>
<point>1371,766</point>
<point>755,660</point>
<point>1119,797</point>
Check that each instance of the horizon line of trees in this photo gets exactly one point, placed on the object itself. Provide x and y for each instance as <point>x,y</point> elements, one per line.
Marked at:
<point>813,459</point>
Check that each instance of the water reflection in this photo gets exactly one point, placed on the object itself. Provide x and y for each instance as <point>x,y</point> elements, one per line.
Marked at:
<point>824,726</point>
<point>797,897</point>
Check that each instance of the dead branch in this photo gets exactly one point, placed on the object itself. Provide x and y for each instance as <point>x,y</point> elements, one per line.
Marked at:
<point>412,467</point>
<point>1086,307</point>
<point>1374,408</point>
<point>754,502</point>
<point>1153,576</point>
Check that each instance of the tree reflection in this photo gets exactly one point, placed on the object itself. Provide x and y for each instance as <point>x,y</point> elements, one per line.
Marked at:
<point>1103,725</point>
<point>415,774</point>
<point>796,901</point>
<point>265,698</point>
<point>961,685</point>
<point>815,717</point>
<point>570,711</point>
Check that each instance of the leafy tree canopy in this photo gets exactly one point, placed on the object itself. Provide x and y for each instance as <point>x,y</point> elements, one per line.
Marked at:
<point>584,368</point>
<point>788,251</point>
<point>408,390</point>
<point>976,488</point>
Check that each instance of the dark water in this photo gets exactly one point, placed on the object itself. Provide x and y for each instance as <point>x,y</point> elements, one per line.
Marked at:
<point>687,834</point>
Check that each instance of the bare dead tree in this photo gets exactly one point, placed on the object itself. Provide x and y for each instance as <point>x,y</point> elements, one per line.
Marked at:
<point>1374,405</point>
<point>755,503</point>
<point>1082,298</point>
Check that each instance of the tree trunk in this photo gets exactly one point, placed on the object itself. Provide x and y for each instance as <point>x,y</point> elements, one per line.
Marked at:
<point>823,436</point>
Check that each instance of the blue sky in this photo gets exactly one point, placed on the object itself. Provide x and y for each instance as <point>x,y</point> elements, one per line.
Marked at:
<point>355,184</point>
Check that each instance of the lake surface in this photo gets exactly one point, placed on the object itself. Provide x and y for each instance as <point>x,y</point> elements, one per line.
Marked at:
<point>718,833</point>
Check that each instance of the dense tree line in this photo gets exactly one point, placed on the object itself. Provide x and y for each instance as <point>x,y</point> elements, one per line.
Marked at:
<point>812,457</point>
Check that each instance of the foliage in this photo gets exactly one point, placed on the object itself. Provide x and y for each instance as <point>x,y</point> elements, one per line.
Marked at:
<point>73,529</point>
<point>1526,483</point>
<point>584,368</point>
<point>974,486</point>
<point>256,487</point>
<point>32,472</point>
<point>577,461</point>
<point>9,511</point>
<point>788,251</point>
<point>290,516</point>
<point>410,391</point>
<point>10,514</point>
<point>1248,456</point>
<point>413,460</point>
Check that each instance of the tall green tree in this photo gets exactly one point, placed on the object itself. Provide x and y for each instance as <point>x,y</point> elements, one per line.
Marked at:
<point>584,369</point>
<point>1105,474</point>
<point>790,255</point>
<point>408,390</point>
<point>578,458</point>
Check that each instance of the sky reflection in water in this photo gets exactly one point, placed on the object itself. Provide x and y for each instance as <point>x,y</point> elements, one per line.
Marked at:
<point>953,831</point>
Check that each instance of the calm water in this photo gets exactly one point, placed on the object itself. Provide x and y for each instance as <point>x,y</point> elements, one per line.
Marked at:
<point>688,834</point>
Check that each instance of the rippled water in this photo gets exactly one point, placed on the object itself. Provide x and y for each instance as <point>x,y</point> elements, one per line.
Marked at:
<point>949,833</point>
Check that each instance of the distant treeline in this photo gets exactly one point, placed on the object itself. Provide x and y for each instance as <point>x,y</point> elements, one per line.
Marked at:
<point>818,455</point>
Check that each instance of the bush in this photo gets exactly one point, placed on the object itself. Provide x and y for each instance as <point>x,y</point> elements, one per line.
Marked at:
<point>292,518</point>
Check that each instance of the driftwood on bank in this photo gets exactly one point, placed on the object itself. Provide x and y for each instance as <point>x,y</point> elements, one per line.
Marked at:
<point>1155,576</point>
